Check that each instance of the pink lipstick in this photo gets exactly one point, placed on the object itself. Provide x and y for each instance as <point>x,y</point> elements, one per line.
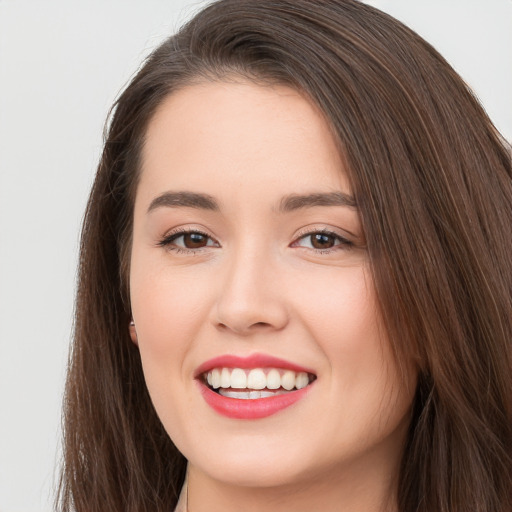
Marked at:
<point>252,361</point>
<point>240,397</point>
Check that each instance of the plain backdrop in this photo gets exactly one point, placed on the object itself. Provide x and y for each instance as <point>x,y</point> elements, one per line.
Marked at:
<point>62,64</point>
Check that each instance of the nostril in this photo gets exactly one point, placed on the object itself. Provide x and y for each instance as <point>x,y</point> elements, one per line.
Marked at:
<point>244,329</point>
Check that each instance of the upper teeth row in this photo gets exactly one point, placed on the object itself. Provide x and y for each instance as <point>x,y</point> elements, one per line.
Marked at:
<point>256,379</point>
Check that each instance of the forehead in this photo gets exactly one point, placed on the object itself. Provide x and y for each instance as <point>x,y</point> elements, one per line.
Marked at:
<point>231,137</point>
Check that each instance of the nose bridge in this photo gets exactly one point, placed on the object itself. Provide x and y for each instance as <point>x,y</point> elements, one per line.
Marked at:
<point>247,297</point>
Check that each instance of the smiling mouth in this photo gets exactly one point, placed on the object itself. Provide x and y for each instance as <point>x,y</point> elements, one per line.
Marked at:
<point>255,383</point>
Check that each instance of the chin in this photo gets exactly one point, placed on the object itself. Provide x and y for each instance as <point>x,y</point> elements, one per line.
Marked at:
<point>257,472</point>
<point>248,463</point>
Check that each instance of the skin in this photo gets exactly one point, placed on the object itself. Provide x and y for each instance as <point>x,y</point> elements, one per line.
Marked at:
<point>258,284</point>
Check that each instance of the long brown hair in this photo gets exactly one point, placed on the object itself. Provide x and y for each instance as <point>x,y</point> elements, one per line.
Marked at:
<point>433,182</point>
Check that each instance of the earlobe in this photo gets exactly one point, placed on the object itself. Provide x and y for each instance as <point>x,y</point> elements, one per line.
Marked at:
<point>133,333</point>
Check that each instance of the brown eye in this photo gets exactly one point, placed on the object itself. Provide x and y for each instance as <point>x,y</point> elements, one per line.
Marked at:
<point>188,241</point>
<point>194,240</point>
<point>322,241</point>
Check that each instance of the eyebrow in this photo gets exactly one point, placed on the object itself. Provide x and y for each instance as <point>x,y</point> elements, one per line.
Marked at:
<point>296,202</point>
<point>185,200</point>
<point>287,204</point>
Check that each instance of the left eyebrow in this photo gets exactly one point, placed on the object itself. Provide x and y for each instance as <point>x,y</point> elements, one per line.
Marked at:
<point>295,202</point>
<point>184,200</point>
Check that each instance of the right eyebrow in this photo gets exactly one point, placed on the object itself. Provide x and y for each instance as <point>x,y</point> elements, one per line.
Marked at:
<point>295,202</point>
<point>184,199</point>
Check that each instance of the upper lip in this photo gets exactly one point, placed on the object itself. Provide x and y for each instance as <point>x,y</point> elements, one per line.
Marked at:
<point>251,361</point>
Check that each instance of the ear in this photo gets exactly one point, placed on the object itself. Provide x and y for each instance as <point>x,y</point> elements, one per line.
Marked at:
<point>133,333</point>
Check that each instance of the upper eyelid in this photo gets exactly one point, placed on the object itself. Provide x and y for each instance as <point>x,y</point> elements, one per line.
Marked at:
<point>301,233</point>
<point>344,241</point>
<point>324,230</point>
<point>171,236</point>
<point>184,231</point>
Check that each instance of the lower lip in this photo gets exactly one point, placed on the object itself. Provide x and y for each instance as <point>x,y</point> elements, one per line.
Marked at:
<point>250,409</point>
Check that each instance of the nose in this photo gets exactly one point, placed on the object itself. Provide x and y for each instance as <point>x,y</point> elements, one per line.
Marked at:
<point>251,297</point>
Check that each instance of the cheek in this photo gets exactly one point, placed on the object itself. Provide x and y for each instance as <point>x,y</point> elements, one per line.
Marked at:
<point>167,310</point>
<point>346,324</point>
<point>168,313</point>
<point>343,317</point>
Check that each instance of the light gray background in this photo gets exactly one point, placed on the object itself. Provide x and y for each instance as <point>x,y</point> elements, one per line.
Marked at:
<point>62,63</point>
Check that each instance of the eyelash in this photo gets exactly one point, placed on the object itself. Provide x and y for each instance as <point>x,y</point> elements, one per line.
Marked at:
<point>343,244</point>
<point>168,240</point>
<point>171,237</point>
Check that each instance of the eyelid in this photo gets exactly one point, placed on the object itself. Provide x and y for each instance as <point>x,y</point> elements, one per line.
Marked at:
<point>175,233</point>
<point>311,230</point>
<point>344,242</point>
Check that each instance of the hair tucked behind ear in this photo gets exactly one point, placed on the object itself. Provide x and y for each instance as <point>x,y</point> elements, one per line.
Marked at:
<point>433,182</point>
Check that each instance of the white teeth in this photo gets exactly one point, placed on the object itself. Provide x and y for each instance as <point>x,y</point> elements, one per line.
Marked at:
<point>273,379</point>
<point>238,379</point>
<point>225,378</point>
<point>215,378</point>
<point>301,380</point>
<point>288,380</point>
<point>241,395</point>
<point>265,394</point>
<point>248,395</point>
<point>255,380</point>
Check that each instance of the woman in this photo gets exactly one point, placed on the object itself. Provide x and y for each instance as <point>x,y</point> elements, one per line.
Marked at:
<point>295,283</point>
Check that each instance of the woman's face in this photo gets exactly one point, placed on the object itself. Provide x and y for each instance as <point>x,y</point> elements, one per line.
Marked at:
<point>249,270</point>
